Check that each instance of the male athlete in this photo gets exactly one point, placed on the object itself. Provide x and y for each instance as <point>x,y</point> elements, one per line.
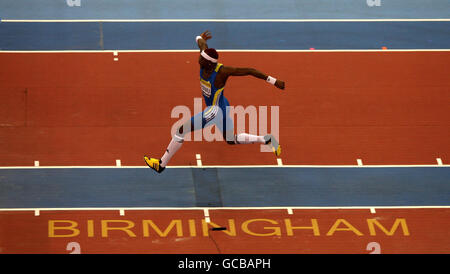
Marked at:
<point>213,77</point>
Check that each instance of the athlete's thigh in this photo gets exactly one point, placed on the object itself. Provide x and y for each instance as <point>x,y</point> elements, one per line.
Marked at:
<point>225,123</point>
<point>195,123</point>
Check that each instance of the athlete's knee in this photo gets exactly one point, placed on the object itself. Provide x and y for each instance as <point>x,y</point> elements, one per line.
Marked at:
<point>179,134</point>
<point>183,129</point>
<point>180,131</point>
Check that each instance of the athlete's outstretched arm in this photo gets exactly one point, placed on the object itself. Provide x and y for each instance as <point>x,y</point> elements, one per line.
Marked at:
<point>202,42</point>
<point>231,71</point>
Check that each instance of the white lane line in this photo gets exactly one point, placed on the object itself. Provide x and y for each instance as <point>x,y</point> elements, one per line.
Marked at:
<point>36,163</point>
<point>36,212</point>
<point>293,20</point>
<point>115,53</point>
<point>118,163</point>
<point>116,59</point>
<point>206,213</point>
<point>206,210</point>
<point>439,161</point>
<point>279,162</point>
<point>227,50</point>
<point>122,212</point>
<point>372,210</point>
<point>199,159</point>
<point>289,210</point>
<point>232,166</point>
<point>359,161</point>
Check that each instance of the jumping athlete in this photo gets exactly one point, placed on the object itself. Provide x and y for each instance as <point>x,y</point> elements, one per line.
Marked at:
<point>213,77</point>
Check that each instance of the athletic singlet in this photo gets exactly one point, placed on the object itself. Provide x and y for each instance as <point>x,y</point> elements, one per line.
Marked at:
<point>213,96</point>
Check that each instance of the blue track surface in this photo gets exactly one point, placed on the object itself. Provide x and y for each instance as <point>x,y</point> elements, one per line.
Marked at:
<point>222,9</point>
<point>190,187</point>
<point>235,35</point>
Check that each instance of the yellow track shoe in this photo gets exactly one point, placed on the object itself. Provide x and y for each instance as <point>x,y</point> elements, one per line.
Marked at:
<point>154,164</point>
<point>276,148</point>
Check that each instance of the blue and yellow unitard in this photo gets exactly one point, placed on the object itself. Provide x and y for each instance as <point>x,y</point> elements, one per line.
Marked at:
<point>216,104</point>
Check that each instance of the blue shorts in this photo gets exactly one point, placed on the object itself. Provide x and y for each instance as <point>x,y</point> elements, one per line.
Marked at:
<point>218,115</point>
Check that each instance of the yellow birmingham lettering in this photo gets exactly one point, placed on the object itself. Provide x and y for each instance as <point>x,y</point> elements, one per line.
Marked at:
<point>90,228</point>
<point>52,227</point>
<point>349,227</point>
<point>126,229</point>
<point>290,228</point>
<point>275,230</point>
<point>192,229</point>
<point>231,229</point>
<point>398,222</point>
<point>173,223</point>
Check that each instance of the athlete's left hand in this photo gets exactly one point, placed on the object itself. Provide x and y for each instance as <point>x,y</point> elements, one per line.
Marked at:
<point>206,35</point>
<point>279,84</point>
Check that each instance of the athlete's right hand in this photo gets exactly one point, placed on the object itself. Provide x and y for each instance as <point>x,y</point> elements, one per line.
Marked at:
<point>206,35</point>
<point>279,84</point>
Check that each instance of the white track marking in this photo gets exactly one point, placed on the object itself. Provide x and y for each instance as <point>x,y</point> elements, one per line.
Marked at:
<point>122,212</point>
<point>223,20</point>
<point>279,162</point>
<point>439,161</point>
<point>36,163</point>
<point>206,213</point>
<point>359,162</point>
<point>198,157</point>
<point>118,163</point>
<point>231,166</point>
<point>206,210</point>
<point>227,50</point>
<point>372,210</point>
<point>289,210</point>
<point>36,212</point>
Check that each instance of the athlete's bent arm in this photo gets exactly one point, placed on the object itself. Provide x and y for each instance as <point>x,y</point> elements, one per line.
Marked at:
<point>231,71</point>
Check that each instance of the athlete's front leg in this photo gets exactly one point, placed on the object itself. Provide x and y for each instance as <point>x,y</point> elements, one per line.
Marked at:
<point>175,144</point>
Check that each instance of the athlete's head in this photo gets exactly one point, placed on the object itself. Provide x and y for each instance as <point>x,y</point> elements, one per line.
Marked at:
<point>208,58</point>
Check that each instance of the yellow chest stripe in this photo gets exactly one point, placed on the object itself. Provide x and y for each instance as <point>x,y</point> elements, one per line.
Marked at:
<point>206,83</point>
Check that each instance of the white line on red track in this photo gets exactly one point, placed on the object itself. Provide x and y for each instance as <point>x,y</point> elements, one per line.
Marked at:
<point>206,213</point>
<point>187,20</point>
<point>198,157</point>
<point>235,166</point>
<point>227,50</point>
<point>206,210</point>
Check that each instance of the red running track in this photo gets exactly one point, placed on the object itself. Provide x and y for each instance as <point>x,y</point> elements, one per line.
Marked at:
<point>360,231</point>
<point>87,109</point>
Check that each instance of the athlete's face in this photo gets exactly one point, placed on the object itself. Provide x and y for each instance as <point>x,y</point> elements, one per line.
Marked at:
<point>205,64</point>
